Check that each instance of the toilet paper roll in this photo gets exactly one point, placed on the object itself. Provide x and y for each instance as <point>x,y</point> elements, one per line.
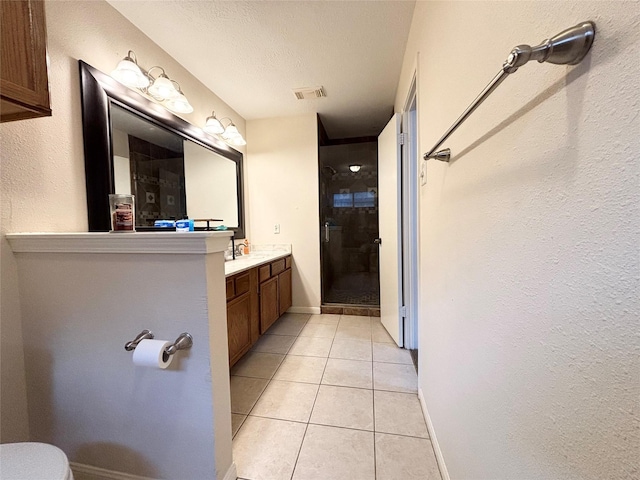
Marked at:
<point>150,353</point>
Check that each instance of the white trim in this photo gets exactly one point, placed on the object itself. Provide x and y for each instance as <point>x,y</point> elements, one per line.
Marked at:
<point>432,435</point>
<point>232,473</point>
<point>312,310</point>
<point>138,242</point>
<point>410,219</point>
<point>95,473</point>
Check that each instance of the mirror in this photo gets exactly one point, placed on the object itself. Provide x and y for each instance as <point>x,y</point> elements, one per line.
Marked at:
<point>173,168</point>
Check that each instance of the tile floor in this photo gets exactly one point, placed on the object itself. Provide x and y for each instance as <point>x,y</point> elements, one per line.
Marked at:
<point>328,397</point>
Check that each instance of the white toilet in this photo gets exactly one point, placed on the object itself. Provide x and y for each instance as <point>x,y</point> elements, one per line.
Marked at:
<point>21,461</point>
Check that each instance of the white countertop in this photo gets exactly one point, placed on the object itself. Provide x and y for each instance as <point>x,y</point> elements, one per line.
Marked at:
<point>254,259</point>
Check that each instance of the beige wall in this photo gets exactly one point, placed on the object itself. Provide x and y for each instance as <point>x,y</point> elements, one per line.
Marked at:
<point>282,188</point>
<point>42,171</point>
<point>529,242</point>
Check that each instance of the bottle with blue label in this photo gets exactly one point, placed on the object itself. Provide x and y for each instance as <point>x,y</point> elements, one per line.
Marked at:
<point>185,225</point>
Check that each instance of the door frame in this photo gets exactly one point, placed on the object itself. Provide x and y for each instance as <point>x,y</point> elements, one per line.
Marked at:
<point>410,227</point>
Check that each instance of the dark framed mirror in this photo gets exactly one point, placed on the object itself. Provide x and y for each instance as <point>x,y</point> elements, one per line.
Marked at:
<point>135,146</point>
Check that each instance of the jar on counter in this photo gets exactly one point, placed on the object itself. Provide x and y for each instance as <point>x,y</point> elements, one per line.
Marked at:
<point>123,213</point>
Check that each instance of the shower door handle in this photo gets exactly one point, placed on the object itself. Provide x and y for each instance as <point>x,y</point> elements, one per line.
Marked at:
<point>326,232</point>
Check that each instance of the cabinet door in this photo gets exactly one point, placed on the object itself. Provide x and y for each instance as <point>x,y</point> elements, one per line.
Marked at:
<point>284,287</point>
<point>24,88</point>
<point>239,327</point>
<point>269,308</point>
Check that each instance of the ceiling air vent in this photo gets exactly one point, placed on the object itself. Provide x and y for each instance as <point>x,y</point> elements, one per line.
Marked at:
<point>307,93</point>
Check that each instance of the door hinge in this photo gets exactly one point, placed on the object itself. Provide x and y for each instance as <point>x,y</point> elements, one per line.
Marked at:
<point>402,137</point>
<point>403,312</point>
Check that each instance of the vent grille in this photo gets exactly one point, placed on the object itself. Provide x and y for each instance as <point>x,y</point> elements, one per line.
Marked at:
<point>307,93</point>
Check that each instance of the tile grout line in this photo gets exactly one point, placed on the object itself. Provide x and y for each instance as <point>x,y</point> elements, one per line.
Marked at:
<point>299,452</point>
<point>373,398</point>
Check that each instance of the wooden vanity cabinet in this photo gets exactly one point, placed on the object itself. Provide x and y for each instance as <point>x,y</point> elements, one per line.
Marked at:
<point>269,308</point>
<point>275,291</point>
<point>243,327</point>
<point>24,84</point>
<point>256,298</point>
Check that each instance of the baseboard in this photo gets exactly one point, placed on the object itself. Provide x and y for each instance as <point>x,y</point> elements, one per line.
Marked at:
<point>432,436</point>
<point>232,473</point>
<point>88,472</point>
<point>312,310</point>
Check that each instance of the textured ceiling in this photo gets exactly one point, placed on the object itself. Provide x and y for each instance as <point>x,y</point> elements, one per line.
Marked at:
<point>252,54</point>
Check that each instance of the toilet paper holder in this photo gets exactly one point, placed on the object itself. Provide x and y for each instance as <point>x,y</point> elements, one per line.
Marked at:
<point>183,342</point>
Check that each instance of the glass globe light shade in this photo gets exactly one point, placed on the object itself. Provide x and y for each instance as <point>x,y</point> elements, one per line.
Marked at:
<point>180,104</point>
<point>213,126</point>
<point>163,88</point>
<point>128,73</point>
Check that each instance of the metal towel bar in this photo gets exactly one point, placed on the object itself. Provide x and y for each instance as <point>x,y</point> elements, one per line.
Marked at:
<point>568,47</point>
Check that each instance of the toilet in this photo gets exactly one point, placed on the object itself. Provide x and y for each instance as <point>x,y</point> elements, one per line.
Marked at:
<point>22,461</point>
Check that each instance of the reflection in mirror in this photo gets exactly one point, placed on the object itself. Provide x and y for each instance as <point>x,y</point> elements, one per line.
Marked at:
<point>211,185</point>
<point>171,177</point>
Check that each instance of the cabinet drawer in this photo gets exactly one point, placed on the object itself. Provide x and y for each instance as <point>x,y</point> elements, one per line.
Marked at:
<point>287,262</point>
<point>277,266</point>
<point>264,273</point>
<point>242,283</point>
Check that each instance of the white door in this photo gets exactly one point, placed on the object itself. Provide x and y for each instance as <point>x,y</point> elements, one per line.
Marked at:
<point>390,228</point>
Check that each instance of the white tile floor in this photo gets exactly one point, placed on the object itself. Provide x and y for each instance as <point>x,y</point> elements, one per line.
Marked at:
<point>328,397</point>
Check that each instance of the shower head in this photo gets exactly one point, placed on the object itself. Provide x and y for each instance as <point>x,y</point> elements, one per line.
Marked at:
<point>568,47</point>
<point>329,170</point>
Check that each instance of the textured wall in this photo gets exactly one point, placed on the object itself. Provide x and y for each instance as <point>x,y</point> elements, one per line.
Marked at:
<point>42,171</point>
<point>530,242</point>
<point>282,187</point>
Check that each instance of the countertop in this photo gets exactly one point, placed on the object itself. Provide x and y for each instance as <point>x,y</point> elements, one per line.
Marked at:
<point>254,259</point>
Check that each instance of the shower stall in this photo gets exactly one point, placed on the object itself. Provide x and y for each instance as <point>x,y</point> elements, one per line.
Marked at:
<point>349,224</point>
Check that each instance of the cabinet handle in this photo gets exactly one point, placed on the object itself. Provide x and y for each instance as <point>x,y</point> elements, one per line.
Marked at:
<point>326,232</point>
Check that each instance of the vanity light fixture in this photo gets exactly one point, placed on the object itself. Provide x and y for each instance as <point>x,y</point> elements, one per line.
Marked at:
<point>355,168</point>
<point>160,88</point>
<point>229,134</point>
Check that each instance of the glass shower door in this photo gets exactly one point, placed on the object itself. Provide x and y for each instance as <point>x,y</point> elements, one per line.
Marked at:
<point>349,224</point>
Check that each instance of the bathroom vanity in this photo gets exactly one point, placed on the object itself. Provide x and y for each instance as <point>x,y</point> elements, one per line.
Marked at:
<point>258,290</point>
